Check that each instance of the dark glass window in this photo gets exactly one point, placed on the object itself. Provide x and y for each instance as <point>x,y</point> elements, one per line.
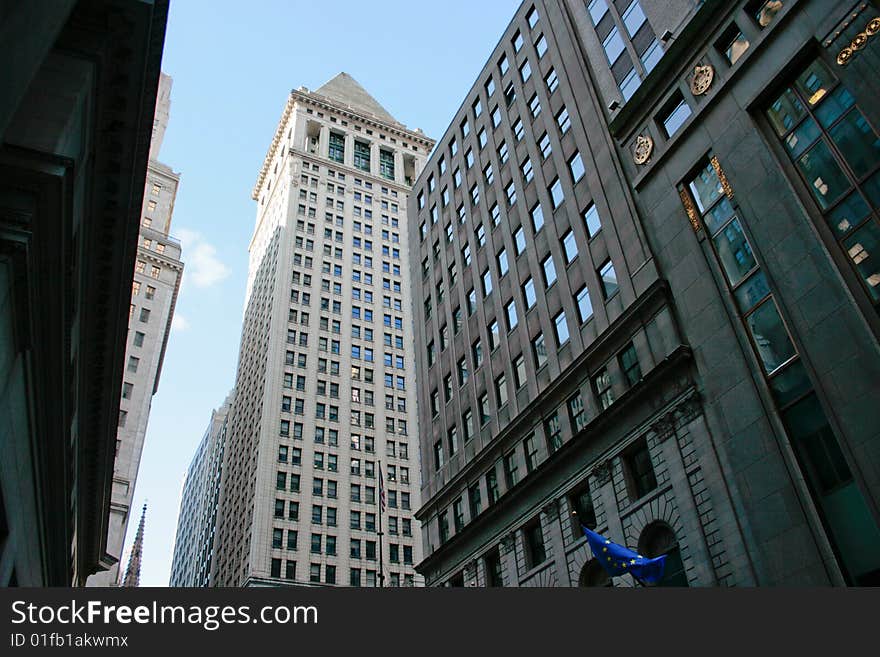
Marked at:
<point>837,153</point>
<point>534,540</point>
<point>639,471</point>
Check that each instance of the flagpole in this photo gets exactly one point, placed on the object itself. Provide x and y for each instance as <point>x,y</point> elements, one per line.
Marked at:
<point>381,548</point>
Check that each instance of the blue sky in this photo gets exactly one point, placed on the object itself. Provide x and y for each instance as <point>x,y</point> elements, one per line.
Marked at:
<point>233,65</point>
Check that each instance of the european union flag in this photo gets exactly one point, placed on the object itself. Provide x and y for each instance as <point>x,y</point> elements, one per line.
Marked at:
<point>619,560</point>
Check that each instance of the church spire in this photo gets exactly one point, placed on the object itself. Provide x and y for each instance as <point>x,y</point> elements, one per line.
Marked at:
<point>133,572</point>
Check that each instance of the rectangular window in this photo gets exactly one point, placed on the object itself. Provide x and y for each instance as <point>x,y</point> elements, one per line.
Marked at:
<point>362,156</point>
<point>553,429</point>
<point>638,469</point>
<point>674,114</point>
<point>561,328</point>
<point>629,364</point>
<point>609,279</point>
<point>576,412</point>
<point>602,384</point>
<point>534,541</point>
<point>337,147</point>
<point>585,306</point>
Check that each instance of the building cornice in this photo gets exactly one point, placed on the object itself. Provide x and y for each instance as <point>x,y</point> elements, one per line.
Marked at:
<point>347,111</point>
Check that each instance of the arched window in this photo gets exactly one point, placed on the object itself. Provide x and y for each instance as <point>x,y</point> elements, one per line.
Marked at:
<point>656,539</point>
<point>593,574</point>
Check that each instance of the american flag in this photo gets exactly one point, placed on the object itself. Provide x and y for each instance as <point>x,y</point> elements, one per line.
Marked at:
<point>381,489</point>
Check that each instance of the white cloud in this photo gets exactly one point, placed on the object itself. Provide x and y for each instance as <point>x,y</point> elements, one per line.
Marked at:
<point>201,265</point>
<point>179,323</point>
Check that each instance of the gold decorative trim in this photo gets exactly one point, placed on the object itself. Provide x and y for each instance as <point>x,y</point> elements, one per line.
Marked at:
<point>702,79</point>
<point>728,191</point>
<point>689,208</point>
<point>644,148</point>
<point>859,41</point>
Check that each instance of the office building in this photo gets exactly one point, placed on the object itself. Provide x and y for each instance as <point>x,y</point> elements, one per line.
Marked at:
<point>79,89</point>
<point>197,517</point>
<point>157,277</point>
<point>324,402</point>
<point>650,298</point>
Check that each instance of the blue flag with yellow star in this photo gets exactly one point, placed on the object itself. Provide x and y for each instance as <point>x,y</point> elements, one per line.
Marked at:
<point>620,560</point>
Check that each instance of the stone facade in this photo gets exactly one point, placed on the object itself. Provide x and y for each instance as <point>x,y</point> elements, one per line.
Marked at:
<point>325,400</point>
<point>608,363</point>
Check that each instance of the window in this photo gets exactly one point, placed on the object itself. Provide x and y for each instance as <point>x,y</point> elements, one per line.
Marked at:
<point>563,120</point>
<point>482,138</point>
<point>517,41</point>
<point>569,246</point>
<point>527,173</point>
<point>474,500</point>
<point>487,283</point>
<point>674,115</point>
<point>337,147</point>
<point>540,350</point>
<point>510,311</point>
<point>529,293</point>
<point>549,271</point>
<point>656,539</point>
<point>609,279</point>
<point>602,384</point>
<point>835,151</point>
<point>484,408</point>
<point>520,376</point>
<point>732,44</point>
<point>581,502</point>
<point>561,328</point>
<point>496,117</point>
<point>532,17</point>
<point>501,390</point>
<point>576,412</point>
<point>639,471</point>
<point>576,166</point>
<point>630,83</point>
<point>478,108</point>
<point>597,9</point>
<point>613,44</point>
<point>544,145</point>
<point>541,46</point>
<point>511,470</point>
<point>519,240</point>
<point>477,353</point>
<point>555,191</point>
<point>492,485</point>
<point>585,306</point>
<point>629,364</point>
<point>537,215</point>
<point>518,130</point>
<point>534,106</point>
<point>494,335</point>
<point>503,65</point>
<point>633,18</point>
<point>534,541</point>
<point>764,11</point>
<point>553,429</point>
<point>438,455</point>
<point>592,221</point>
<point>525,71</point>
<point>362,156</point>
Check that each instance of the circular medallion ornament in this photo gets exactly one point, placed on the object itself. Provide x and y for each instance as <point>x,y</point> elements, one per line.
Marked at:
<point>702,79</point>
<point>642,151</point>
<point>859,41</point>
<point>844,56</point>
<point>873,26</point>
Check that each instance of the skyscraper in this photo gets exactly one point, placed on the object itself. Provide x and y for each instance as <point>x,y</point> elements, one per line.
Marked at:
<point>157,276</point>
<point>324,397</point>
<point>197,517</point>
<point>648,288</point>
